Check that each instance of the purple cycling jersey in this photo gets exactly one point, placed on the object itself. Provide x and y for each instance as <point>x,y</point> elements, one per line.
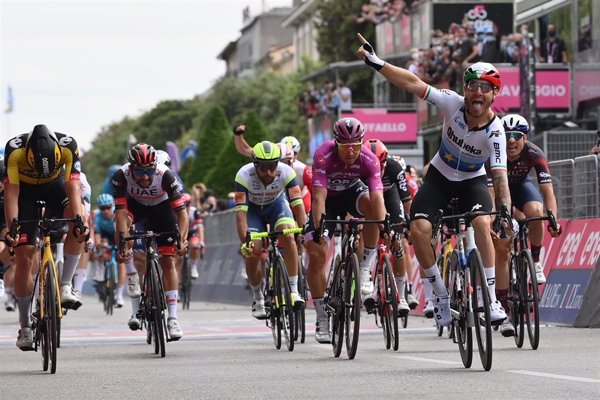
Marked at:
<point>331,173</point>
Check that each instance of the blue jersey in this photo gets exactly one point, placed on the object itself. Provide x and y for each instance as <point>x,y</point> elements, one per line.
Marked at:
<point>104,226</point>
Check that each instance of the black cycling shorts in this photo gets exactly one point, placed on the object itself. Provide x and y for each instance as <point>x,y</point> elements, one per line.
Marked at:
<point>158,218</point>
<point>437,191</point>
<point>393,205</point>
<point>339,206</point>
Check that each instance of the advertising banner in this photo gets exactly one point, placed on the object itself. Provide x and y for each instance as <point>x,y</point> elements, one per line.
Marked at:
<point>387,126</point>
<point>586,85</point>
<point>563,295</point>
<point>478,15</point>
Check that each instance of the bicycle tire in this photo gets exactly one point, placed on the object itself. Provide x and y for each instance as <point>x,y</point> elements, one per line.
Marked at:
<point>352,305</point>
<point>380,309</point>
<point>50,317</point>
<point>300,326</point>
<point>286,305</point>
<point>335,303</point>
<point>42,332</point>
<point>186,283</point>
<point>463,333</point>
<point>531,303</point>
<point>391,303</point>
<point>157,310</point>
<point>109,288</point>
<point>481,312</point>
<point>515,301</point>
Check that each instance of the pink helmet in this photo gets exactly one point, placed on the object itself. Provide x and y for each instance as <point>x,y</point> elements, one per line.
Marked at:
<point>348,130</point>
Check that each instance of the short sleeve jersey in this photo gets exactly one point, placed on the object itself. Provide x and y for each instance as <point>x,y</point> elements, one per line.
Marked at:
<point>164,186</point>
<point>463,152</point>
<point>249,189</point>
<point>331,173</point>
<point>18,169</point>
<point>394,178</point>
<point>531,157</point>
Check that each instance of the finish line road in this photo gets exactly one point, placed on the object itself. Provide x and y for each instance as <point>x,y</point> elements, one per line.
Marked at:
<point>225,353</point>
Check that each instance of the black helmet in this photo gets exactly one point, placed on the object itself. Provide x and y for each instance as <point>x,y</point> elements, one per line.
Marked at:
<point>142,155</point>
<point>42,150</point>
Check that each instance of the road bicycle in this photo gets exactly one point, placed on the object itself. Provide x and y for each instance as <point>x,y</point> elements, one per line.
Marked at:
<point>48,309</point>
<point>342,296</point>
<point>468,289</point>
<point>300,332</point>
<point>152,300</point>
<point>523,297</point>
<point>111,277</point>
<point>279,301</point>
<point>185,282</point>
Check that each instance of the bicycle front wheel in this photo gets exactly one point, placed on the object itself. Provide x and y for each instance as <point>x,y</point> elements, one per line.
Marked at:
<point>531,298</point>
<point>284,299</point>
<point>352,305</point>
<point>300,317</point>
<point>186,283</point>
<point>390,304</point>
<point>156,307</point>
<point>49,323</point>
<point>459,304</point>
<point>515,300</point>
<point>481,310</point>
<point>335,306</point>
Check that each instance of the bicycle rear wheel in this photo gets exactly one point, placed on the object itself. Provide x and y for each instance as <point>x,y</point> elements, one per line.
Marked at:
<point>531,299</point>
<point>335,305</point>
<point>463,333</point>
<point>271,305</point>
<point>391,304</point>
<point>515,300</point>
<point>300,309</point>
<point>109,288</point>
<point>186,283</point>
<point>352,305</point>
<point>481,312</point>
<point>156,306</point>
<point>286,307</point>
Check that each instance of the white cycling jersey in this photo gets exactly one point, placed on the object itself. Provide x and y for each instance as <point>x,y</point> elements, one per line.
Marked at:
<point>86,192</point>
<point>463,153</point>
<point>250,189</point>
<point>299,167</point>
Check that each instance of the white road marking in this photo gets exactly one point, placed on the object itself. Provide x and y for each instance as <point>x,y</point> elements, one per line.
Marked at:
<point>431,360</point>
<point>555,376</point>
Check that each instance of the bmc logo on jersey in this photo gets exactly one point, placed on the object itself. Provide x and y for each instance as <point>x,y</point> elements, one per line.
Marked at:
<point>497,153</point>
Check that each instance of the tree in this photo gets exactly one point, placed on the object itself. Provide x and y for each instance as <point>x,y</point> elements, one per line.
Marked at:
<point>212,135</point>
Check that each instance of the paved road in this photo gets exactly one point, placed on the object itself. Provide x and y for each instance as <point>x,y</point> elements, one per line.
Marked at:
<point>227,354</point>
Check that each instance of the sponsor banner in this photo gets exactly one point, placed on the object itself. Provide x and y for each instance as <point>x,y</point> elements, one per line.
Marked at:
<point>551,246</point>
<point>387,126</point>
<point>563,295</point>
<point>580,246</point>
<point>553,90</point>
<point>586,85</point>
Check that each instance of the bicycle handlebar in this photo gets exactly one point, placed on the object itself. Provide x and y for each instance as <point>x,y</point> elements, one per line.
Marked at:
<point>262,235</point>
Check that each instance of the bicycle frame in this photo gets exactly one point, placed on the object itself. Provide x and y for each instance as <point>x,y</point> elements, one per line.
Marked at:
<point>48,258</point>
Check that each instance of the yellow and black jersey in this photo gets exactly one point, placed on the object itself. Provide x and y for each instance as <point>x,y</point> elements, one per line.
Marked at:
<point>19,170</point>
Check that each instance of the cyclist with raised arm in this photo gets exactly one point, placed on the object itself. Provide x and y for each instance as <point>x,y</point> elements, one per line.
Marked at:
<point>338,167</point>
<point>395,196</point>
<point>34,171</point>
<point>527,199</point>
<point>147,191</point>
<point>260,200</point>
<point>471,135</point>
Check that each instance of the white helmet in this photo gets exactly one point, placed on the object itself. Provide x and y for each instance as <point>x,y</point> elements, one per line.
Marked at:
<point>162,157</point>
<point>287,152</point>
<point>515,123</point>
<point>293,142</point>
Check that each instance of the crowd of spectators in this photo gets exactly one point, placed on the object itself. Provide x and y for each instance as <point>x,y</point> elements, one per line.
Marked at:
<point>328,100</point>
<point>377,11</point>
<point>204,199</point>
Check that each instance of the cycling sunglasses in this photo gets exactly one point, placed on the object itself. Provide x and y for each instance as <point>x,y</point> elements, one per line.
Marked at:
<point>266,166</point>
<point>144,171</point>
<point>346,147</point>
<point>514,135</point>
<point>104,208</point>
<point>486,87</point>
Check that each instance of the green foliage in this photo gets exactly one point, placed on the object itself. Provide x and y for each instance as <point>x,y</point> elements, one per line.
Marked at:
<point>212,135</point>
<point>165,122</point>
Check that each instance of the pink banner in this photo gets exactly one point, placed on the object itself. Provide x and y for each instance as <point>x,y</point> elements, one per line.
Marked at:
<point>586,85</point>
<point>387,126</point>
<point>552,90</point>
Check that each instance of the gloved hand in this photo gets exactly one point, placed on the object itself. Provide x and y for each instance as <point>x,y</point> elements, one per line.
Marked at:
<point>367,54</point>
<point>246,250</point>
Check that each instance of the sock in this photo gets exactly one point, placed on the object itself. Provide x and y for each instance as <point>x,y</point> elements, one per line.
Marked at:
<point>135,305</point>
<point>401,285</point>
<point>433,274</point>
<point>130,266</point>
<point>410,288</point>
<point>428,289</point>
<point>78,279</point>
<point>490,276</point>
<point>257,292</point>
<point>502,295</point>
<point>294,283</point>
<point>171,296</point>
<point>535,253</point>
<point>69,267</point>
<point>23,304</point>
<point>367,260</point>
<point>121,292</point>
<point>320,308</point>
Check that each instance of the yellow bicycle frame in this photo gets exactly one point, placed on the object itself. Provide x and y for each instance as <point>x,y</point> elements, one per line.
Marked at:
<point>47,258</point>
<point>447,250</point>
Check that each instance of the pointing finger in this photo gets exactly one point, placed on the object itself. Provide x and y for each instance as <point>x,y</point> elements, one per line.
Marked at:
<point>362,39</point>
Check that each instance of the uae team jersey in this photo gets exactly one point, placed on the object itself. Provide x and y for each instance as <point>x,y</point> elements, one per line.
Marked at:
<point>333,174</point>
<point>463,153</point>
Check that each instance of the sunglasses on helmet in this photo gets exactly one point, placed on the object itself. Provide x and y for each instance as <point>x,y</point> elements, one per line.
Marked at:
<point>486,87</point>
<point>346,147</point>
<point>514,135</point>
<point>144,171</point>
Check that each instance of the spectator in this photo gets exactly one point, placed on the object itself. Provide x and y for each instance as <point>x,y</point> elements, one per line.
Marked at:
<point>230,200</point>
<point>345,95</point>
<point>490,49</point>
<point>553,49</point>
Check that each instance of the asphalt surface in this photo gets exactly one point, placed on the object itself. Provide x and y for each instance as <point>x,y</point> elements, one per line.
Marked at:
<point>225,353</point>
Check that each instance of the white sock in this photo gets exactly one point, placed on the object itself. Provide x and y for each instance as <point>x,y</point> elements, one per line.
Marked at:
<point>135,305</point>
<point>294,283</point>
<point>171,296</point>
<point>23,305</point>
<point>367,260</point>
<point>320,308</point>
<point>78,279</point>
<point>130,266</point>
<point>69,267</point>
<point>121,292</point>
<point>428,289</point>
<point>437,284</point>
<point>490,276</point>
<point>257,292</point>
<point>401,285</point>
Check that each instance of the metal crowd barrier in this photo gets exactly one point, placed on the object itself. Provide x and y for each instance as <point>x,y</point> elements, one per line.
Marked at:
<point>220,228</point>
<point>565,144</point>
